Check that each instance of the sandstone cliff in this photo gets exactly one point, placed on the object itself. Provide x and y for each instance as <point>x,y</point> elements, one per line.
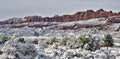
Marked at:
<point>89,14</point>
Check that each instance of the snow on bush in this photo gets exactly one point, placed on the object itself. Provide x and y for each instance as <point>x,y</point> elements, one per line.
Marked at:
<point>18,49</point>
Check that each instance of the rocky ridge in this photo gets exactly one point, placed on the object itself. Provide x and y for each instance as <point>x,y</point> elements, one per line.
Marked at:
<point>38,21</point>
<point>83,15</point>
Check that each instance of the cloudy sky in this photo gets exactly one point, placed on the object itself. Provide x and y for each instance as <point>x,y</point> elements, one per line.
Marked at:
<point>21,8</point>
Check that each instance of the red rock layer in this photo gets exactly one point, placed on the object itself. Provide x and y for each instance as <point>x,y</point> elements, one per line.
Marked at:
<point>89,14</point>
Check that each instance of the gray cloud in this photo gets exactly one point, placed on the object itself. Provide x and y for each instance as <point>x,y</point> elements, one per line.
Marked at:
<point>20,8</point>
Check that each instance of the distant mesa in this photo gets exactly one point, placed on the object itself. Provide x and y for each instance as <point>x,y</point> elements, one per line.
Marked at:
<point>89,14</point>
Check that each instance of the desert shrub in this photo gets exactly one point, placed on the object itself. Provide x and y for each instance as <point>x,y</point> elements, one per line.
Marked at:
<point>20,51</point>
<point>108,41</point>
<point>1,52</point>
<point>21,40</point>
<point>51,41</point>
<point>17,56</point>
<point>35,41</point>
<point>82,40</point>
<point>88,42</point>
<point>64,41</point>
<point>4,39</point>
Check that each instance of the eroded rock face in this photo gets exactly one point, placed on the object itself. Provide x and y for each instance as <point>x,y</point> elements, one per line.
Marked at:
<point>89,14</point>
<point>12,21</point>
<point>36,21</point>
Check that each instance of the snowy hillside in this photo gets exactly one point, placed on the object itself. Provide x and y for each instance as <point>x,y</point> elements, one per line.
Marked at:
<point>85,39</point>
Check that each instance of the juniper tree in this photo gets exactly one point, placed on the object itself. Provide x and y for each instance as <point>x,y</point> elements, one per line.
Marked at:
<point>108,42</point>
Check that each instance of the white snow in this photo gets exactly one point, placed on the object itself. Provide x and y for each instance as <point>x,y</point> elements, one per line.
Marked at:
<point>29,49</point>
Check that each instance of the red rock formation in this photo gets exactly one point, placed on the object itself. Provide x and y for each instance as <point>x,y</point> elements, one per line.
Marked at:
<point>66,18</point>
<point>76,16</point>
<point>32,18</point>
<point>89,14</point>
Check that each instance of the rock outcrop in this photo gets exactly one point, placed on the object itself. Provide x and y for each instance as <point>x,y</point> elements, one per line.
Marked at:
<point>89,14</point>
<point>36,21</point>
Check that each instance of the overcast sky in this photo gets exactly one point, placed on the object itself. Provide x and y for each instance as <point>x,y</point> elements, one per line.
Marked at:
<point>21,8</point>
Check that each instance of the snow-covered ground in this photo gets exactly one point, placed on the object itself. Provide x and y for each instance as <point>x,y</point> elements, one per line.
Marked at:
<point>45,43</point>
